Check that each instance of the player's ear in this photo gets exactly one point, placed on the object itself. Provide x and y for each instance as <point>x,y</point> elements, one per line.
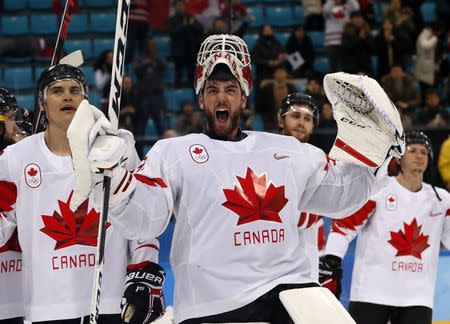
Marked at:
<point>280,121</point>
<point>41,105</point>
<point>201,102</point>
<point>243,101</point>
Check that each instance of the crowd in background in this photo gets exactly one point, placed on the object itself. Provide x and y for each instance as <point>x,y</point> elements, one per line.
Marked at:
<point>411,56</point>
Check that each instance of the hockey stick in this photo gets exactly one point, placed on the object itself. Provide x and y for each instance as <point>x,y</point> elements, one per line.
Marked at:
<point>62,34</point>
<point>115,94</point>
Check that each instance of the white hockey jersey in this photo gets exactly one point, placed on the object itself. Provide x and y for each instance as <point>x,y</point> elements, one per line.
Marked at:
<point>397,251</point>
<point>11,301</point>
<point>58,245</point>
<point>236,206</point>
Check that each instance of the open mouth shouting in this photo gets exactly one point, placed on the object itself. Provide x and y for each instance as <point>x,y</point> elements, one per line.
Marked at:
<point>222,115</point>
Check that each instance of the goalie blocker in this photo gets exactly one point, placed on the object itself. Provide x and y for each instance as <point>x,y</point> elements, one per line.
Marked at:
<point>369,125</point>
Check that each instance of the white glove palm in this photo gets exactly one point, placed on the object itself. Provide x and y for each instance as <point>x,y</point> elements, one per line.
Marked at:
<point>95,146</point>
<point>369,125</point>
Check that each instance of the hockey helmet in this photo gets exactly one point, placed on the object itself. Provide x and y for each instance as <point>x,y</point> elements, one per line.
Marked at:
<point>57,73</point>
<point>7,102</point>
<point>300,100</point>
<point>418,137</point>
<point>224,49</point>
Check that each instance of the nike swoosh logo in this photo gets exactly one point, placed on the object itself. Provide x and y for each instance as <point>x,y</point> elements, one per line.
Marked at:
<point>280,157</point>
<point>435,214</point>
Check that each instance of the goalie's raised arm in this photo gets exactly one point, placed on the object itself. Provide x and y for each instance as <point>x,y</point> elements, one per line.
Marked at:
<point>369,125</point>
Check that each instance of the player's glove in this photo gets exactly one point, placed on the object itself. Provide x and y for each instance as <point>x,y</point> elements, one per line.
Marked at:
<point>95,146</point>
<point>369,125</point>
<point>143,300</point>
<point>330,273</point>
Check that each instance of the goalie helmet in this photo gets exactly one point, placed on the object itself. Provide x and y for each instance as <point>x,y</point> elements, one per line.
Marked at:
<point>300,99</point>
<point>224,49</point>
<point>57,73</point>
<point>418,137</point>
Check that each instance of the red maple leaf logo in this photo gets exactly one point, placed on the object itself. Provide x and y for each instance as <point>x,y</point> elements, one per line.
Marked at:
<point>391,199</point>
<point>411,241</point>
<point>197,150</point>
<point>255,199</point>
<point>71,228</point>
<point>12,244</point>
<point>8,195</point>
<point>32,172</point>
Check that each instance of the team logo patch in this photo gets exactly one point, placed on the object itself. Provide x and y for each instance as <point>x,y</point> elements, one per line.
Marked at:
<point>198,153</point>
<point>391,202</point>
<point>33,176</point>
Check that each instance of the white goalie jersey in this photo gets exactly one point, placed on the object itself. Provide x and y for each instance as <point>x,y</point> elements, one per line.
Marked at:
<point>236,206</point>
<point>59,245</point>
<point>397,251</point>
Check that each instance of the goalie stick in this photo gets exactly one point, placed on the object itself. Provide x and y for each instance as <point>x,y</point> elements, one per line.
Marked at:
<point>62,34</point>
<point>115,94</point>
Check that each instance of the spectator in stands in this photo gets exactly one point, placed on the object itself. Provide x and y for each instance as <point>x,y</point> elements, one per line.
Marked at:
<point>402,89</point>
<point>272,93</point>
<point>168,133</point>
<point>205,11</point>
<point>444,162</point>
<point>138,27</point>
<point>299,42</point>
<point>425,66</point>
<point>415,5</point>
<point>386,48</point>
<point>315,90</point>
<point>149,69</point>
<point>247,119</point>
<point>219,26</point>
<point>240,18</point>
<point>432,114</point>
<point>102,74</point>
<point>196,123</point>
<point>267,54</point>
<point>336,14</point>
<point>184,121</point>
<point>366,7</point>
<point>357,45</point>
<point>326,117</point>
<point>128,118</point>
<point>186,34</point>
<point>313,14</point>
<point>405,30</point>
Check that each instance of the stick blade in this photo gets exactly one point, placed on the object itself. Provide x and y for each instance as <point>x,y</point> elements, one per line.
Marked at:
<point>75,58</point>
<point>314,305</point>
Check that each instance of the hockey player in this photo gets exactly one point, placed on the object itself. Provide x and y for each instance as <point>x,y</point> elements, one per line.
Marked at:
<point>58,244</point>
<point>11,302</point>
<point>399,234</point>
<point>235,197</point>
<point>298,116</point>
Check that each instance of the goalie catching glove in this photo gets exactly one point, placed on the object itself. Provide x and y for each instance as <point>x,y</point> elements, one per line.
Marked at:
<point>369,125</point>
<point>96,146</point>
<point>143,299</point>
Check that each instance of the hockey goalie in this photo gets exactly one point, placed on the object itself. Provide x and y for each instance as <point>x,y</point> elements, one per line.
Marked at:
<point>236,194</point>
